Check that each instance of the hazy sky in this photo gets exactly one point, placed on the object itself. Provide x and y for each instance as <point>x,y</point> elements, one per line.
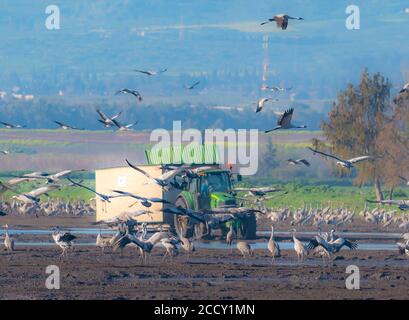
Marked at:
<point>199,37</point>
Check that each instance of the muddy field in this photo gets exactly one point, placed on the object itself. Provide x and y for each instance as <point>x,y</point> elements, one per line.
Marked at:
<point>209,274</point>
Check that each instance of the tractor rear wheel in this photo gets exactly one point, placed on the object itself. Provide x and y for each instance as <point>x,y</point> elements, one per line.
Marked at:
<point>248,228</point>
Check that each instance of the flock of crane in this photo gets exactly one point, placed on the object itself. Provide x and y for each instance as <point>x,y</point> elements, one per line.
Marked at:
<point>336,217</point>
<point>49,208</point>
<point>108,122</point>
<point>325,244</point>
<point>132,234</point>
<point>28,203</point>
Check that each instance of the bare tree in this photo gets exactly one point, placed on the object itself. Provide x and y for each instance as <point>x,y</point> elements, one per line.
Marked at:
<point>393,142</point>
<point>268,160</point>
<point>355,123</point>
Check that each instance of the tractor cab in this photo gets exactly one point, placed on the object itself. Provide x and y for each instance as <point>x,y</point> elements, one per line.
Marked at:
<point>209,189</point>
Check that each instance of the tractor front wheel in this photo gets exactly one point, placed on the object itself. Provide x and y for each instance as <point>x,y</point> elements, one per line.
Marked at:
<point>182,224</point>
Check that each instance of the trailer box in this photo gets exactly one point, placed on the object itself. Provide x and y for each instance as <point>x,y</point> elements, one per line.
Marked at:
<point>129,180</point>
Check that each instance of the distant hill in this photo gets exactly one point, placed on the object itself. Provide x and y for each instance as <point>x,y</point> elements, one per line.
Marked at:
<point>41,114</point>
<point>219,42</point>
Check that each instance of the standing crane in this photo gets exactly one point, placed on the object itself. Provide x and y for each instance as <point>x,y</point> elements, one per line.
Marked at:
<point>63,239</point>
<point>170,245</point>
<point>403,247</point>
<point>102,242</point>
<point>273,246</point>
<point>187,245</point>
<point>8,241</point>
<point>299,248</point>
<point>245,249</point>
<point>229,237</point>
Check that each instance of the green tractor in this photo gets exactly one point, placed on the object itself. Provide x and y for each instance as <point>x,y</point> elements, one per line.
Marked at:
<point>211,188</point>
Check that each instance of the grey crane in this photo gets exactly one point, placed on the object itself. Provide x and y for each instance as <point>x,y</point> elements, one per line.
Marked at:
<point>12,126</point>
<point>299,162</point>
<point>65,126</point>
<point>145,245</point>
<point>63,239</point>
<point>107,121</point>
<point>7,152</point>
<point>135,93</point>
<point>102,197</point>
<point>403,205</point>
<point>257,191</point>
<point>121,127</point>
<point>245,249</point>
<point>284,122</point>
<point>31,197</point>
<point>146,202</point>
<point>229,237</point>
<point>8,241</point>
<point>102,242</point>
<point>51,178</point>
<point>124,217</point>
<point>282,20</point>
<point>275,88</point>
<point>299,248</point>
<point>260,104</point>
<point>16,181</point>
<point>403,247</point>
<point>163,180</point>
<point>333,246</point>
<point>191,87</point>
<point>187,245</point>
<point>405,236</point>
<point>341,162</point>
<point>150,72</point>
<point>273,246</point>
<point>170,245</point>
<point>405,88</point>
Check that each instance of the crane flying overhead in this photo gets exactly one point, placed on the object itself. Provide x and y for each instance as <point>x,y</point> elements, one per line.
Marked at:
<point>150,72</point>
<point>284,122</point>
<point>341,162</point>
<point>281,20</point>
<point>107,121</point>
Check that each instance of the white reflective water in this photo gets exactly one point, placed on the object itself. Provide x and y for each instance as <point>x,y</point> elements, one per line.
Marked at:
<point>368,235</point>
<point>95,231</point>
<point>217,245</point>
<point>261,244</point>
<point>78,231</point>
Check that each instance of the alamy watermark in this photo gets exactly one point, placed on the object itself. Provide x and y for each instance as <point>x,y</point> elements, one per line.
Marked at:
<point>353,281</point>
<point>353,21</point>
<point>53,21</point>
<point>53,280</point>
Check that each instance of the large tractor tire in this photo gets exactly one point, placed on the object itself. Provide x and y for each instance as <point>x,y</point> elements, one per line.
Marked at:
<point>182,224</point>
<point>185,227</point>
<point>248,228</point>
